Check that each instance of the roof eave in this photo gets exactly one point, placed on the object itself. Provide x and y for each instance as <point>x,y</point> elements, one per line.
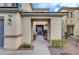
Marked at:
<point>47,14</point>
<point>8,9</point>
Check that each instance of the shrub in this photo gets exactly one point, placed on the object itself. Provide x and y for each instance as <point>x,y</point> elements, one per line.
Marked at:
<point>58,42</point>
<point>45,32</point>
<point>34,37</point>
<point>25,45</point>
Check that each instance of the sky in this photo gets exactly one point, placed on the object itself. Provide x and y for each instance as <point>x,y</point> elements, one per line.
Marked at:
<point>53,7</point>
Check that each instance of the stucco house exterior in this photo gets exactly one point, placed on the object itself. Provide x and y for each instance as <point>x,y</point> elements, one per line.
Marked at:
<point>71,23</point>
<point>17,23</point>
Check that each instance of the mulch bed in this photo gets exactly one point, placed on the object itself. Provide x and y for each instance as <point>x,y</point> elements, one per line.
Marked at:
<point>22,48</point>
<point>55,47</point>
<point>57,51</point>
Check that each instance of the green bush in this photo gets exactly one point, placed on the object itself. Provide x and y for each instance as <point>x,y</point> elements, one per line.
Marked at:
<point>25,45</point>
<point>45,32</point>
<point>58,42</point>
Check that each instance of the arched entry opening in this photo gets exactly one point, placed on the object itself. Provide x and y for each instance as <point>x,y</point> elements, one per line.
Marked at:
<point>40,27</point>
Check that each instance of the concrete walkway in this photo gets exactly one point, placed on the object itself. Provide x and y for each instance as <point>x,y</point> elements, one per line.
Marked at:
<point>40,46</point>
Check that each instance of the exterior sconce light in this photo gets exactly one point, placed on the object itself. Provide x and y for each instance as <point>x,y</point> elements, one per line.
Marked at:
<point>9,22</point>
<point>46,25</point>
<point>10,19</point>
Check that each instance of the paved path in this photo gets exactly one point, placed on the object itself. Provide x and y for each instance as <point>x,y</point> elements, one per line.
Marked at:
<point>40,46</point>
<point>16,52</point>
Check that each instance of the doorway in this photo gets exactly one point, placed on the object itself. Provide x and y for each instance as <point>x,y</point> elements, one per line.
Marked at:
<point>1,33</point>
<point>40,27</point>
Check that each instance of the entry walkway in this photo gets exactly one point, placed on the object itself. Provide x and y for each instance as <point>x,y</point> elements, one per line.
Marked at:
<point>40,46</point>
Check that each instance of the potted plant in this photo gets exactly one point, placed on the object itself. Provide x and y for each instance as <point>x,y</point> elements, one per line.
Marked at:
<point>45,34</point>
<point>34,37</point>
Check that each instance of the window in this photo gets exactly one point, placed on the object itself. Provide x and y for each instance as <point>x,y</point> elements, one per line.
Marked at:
<point>1,4</point>
<point>5,4</point>
<point>70,29</point>
<point>9,4</point>
<point>71,15</point>
<point>13,4</point>
<point>68,15</point>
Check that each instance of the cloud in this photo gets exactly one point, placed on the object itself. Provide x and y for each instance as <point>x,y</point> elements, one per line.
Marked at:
<point>56,9</point>
<point>54,6</point>
<point>69,4</point>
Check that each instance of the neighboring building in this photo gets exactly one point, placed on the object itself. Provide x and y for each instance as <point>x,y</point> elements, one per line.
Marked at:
<point>18,5</point>
<point>26,7</point>
<point>17,22</point>
<point>40,10</point>
<point>71,23</point>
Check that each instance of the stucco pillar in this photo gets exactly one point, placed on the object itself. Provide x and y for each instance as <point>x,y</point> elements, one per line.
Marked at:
<point>26,28</point>
<point>76,23</point>
<point>55,28</point>
<point>12,32</point>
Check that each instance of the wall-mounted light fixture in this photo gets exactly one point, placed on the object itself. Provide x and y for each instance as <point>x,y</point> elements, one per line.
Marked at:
<point>78,18</point>
<point>46,25</point>
<point>10,19</point>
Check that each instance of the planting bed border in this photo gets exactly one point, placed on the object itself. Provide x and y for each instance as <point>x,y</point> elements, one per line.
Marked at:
<point>21,48</point>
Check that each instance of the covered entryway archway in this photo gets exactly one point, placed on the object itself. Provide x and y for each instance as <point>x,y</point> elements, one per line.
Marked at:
<point>53,20</point>
<point>40,27</point>
<point>40,33</point>
<point>1,33</point>
<point>55,24</point>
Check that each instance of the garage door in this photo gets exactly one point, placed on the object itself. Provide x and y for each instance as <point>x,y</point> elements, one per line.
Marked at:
<point>1,33</point>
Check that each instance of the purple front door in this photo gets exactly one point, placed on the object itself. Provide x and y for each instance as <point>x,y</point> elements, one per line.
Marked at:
<point>39,29</point>
<point>1,33</point>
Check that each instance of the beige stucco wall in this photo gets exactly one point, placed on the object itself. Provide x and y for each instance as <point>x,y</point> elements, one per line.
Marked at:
<point>19,40</point>
<point>74,21</point>
<point>55,28</point>
<point>12,30</point>
<point>23,26</point>
<point>64,26</point>
<point>76,27</point>
<point>26,28</point>
<point>26,7</point>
